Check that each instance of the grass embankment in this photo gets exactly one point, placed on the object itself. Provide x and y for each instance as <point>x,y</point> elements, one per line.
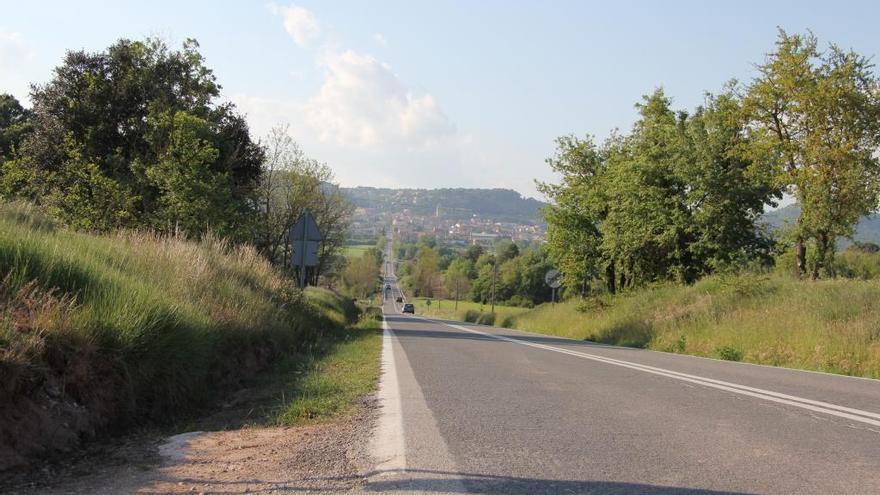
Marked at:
<point>328,387</point>
<point>119,329</point>
<point>828,325</point>
<point>467,311</point>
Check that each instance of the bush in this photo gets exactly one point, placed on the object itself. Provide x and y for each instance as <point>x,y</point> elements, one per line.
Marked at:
<point>486,319</point>
<point>508,322</point>
<point>729,353</point>
<point>472,315</point>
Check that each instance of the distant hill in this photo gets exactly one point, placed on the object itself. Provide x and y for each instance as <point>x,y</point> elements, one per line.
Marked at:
<point>504,205</point>
<point>868,228</point>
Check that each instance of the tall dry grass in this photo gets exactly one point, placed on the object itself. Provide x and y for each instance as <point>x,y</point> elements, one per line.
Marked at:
<point>826,325</point>
<point>140,326</point>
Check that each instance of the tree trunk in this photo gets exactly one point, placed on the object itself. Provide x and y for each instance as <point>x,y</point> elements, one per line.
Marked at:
<point>610,278</point>
<point>800,250</point>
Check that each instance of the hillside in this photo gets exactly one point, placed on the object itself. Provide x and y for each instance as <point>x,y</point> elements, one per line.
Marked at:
<point>498,204</point>
<point>868,228</point>
<point>98,333</point>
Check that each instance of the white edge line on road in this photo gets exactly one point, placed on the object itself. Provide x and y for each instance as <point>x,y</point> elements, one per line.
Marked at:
<point>811,405</point>
<point>389,441</point>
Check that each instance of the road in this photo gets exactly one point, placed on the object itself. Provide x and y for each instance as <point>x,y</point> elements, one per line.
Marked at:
<point>475,409</point>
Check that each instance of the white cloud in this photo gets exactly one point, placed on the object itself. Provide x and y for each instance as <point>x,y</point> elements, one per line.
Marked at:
<point>362,102</point>
<point>299,22</point>
<point>13,49</point>
<point>380,39</point>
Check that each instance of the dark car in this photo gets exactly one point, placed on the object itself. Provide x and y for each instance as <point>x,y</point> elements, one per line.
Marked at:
<point>409,308</point>
<point>399,299</point>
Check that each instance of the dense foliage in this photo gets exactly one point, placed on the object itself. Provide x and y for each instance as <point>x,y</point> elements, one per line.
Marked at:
<point>680,196</point>
<point>133,136</point>
<point>505,273</point>
<point>136,136</point>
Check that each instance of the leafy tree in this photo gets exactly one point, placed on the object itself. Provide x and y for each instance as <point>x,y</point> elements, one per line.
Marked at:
<point>14,125</point>
<point>818,115</point>
<point>474,252</point>
<point>425,271</point>
<point>361,275</point>
<point>726,190</point>
<point>677,198</point>
<point>290,183</point>
<point>507,250</point>
<point>138,128</point>
<point>457,277</point>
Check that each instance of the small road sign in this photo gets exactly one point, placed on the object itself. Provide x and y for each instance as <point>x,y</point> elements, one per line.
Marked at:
<point>554,279</point>
<point>304,237</point>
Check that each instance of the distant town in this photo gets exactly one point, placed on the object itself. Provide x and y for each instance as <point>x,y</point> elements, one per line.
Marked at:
<point>453,216</point>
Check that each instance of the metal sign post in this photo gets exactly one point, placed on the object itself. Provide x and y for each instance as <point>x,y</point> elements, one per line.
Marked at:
<point>554,279</point>
<point>304,237</point>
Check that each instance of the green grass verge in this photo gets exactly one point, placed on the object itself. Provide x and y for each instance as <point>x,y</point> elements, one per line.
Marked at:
<point>329,387</point>
<point>827,325</point>
<point>467,311</point>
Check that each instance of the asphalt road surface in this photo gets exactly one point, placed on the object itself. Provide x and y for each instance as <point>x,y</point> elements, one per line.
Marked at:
<point>475,409</point>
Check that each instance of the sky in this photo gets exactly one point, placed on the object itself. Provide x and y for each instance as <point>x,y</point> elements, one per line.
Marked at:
<point>444,93</point>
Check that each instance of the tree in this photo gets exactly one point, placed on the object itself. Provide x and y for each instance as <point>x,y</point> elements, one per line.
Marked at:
<point>727,190</point>
<point>507,250</point>
<point>290,183</point>
<point>818,115</point>
<point>14,125</point>
<point>576,211</point>
<point>474,252</point>
<point>425,271</point>
<point>457,277</point>
<point>361,275</point>
<point>138,129</point>
<point>677,198</point>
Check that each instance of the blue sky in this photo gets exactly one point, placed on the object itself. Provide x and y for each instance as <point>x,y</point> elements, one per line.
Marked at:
<point>439,94</point>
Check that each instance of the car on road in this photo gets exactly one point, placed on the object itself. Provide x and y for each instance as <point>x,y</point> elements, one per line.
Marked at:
<point>399,299</point>
<point>387,286</point>
<point>409,308</point>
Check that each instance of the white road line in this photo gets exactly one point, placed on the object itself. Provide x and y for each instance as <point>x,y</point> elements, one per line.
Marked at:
<point>389,441</point>
<point>858,415</point>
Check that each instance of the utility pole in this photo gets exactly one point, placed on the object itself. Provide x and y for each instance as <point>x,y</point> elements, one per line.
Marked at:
<point>494,276</point>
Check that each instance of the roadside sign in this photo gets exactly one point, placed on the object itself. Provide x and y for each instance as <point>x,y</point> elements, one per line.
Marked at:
<point>304,237</point>
<point>554,279</point>
<point>427,302</point>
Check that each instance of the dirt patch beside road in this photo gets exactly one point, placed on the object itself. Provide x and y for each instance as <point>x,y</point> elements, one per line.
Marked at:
<point>326,458</point>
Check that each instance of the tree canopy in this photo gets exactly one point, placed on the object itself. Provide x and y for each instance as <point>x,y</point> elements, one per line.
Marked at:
<point>134,136</point>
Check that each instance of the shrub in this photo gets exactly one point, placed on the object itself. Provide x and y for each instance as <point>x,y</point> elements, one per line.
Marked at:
<point>486,319</point>
<point>508,322</point>
<point>471,315</point>
<point>729,353</point>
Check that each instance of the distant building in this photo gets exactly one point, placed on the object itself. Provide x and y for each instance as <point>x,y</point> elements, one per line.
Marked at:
<point>484,239</point>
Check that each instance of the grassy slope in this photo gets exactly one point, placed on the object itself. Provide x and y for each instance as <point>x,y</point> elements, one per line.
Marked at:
<point>134,327</point>
<point>831,325</point>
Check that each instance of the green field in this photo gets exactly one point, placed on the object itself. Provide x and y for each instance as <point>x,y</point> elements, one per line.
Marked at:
<point>356,250</point>
<point>826,325</point>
